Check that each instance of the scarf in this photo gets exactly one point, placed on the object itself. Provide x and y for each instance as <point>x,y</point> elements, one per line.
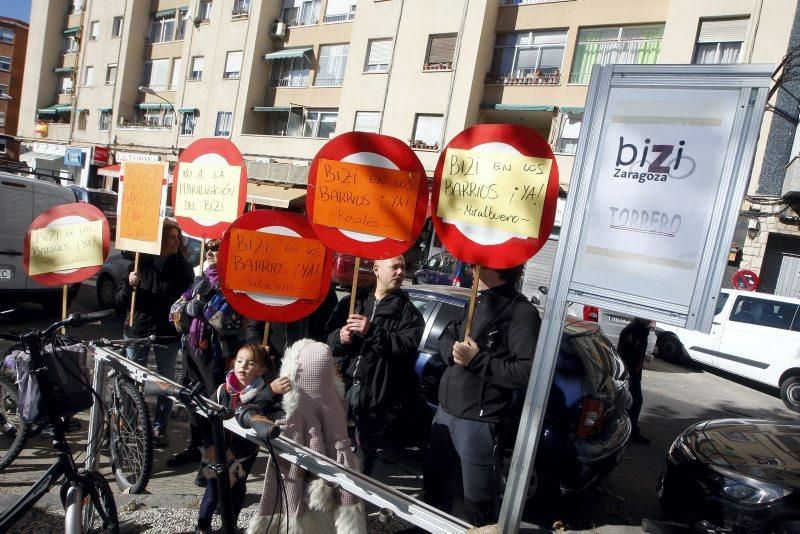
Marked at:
<point>238,391</point>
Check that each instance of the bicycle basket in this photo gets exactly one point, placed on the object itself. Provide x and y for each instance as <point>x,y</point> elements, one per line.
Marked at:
<point>68,377</point>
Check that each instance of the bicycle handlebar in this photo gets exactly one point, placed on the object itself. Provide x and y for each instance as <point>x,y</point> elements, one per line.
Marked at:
<point>150,341</point>
<point>248,417</point>
<point>73,319</point>
<point>159,388</point>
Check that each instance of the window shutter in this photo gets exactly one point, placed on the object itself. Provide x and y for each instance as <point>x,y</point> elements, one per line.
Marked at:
<point>722,31</point>
<point>380,52</point>
<point>442,49</point>
<point>233,62</point>
<point>367,121</point>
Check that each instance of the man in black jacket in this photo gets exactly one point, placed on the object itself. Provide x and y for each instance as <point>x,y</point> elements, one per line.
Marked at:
<point>476,392</point>
<point>632,348</point>
<point>375,347</point>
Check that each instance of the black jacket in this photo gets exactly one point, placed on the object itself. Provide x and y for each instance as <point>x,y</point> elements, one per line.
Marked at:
<point>505,327</point>
<point>380,359</point>
<point>162,283</point>
<point>267,404</point>
<point>632,345</point>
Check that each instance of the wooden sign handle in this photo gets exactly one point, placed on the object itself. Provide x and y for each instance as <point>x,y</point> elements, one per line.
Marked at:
<point>133,295</point>
<point>64,302</point>
<point>265,341</point>
<point>471,310</point>
<point>353,289</point>
<point>202,254</point>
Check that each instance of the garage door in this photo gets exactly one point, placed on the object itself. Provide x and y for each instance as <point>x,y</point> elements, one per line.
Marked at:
<point>539,268</point>
<point>780,270</point>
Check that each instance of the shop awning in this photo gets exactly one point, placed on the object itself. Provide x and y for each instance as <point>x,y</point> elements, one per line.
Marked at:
<point>110,170</point>
<point>56,108</point>
<point>153,105</point>
<point>187,110</point>
<point>274,195</point>
<point>575,110</point>
<point>63,69</point>
<point>271,109</point>
<point>517,107</point>
<point>103,109</point>
<point>163,13</point>
<point>30,156</point>
<point>287,53</point>
<point>74,29</point>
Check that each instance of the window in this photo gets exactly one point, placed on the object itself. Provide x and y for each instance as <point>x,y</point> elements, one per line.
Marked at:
<point>6,35</point>
<point>233,65</point>
<point>105,120</point>
<point>76,6</point>
<point>116,27</point>
<point>447,313</point>
<point>3,89</point>
<point>182,21</point>
<point>65,85</point>
<point>570,131</point>
<point>300,12</point>
<point>2,118</point>
<point>69,45</point>
<point>2,146</point>
<point>762,312</point>
<point>224,123</point>
<point>94,30</point>
<point>187,123</point>
<point>88,75</point>
<point>156,118</point>
<point>722,298</point>
<point>629,45</point>
<point>5,63</point>
<point>240,7</point>
<point>528,57</point>
<point>176,72</point>
<point>427,131</point>
<point>441,49</point>
<point>332,63</point>
<point>367,121</point>
<point>204,11</point>
<point>286,123</point>
<point>162,28</point>
<point>155,74</point>
<point>720,41</point>
<point>289,72</point>
<point>82,120</point>
<point>196,72</point>
<point>378,53</point>
<point>340,10</point>
<point>111,74</point>
<point>320,124</point>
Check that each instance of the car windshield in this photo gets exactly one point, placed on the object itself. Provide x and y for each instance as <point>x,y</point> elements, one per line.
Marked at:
<point>721,300</point>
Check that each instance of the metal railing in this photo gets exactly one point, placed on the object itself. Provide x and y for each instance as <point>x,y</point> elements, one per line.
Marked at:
<point>292,82</point>
<point>370,490</point>
<point>328,82</point>
<point>344,17</point>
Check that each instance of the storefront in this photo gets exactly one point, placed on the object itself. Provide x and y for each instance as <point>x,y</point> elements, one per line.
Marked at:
<point>47,159</point>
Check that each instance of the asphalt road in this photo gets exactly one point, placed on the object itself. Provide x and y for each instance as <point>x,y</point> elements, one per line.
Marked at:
<point>675,397</point>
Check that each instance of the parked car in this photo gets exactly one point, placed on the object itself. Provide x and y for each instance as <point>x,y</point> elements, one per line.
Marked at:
<point>753,335</point>
<point>21,200</point>
<point>115,271</point>
<point>734,475</point>
<point>344,266</point>
<point>444,269</point>
<point>586,427</point>
<point>102,199</point>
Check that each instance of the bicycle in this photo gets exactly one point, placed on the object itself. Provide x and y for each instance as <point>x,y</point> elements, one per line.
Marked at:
<point>88,502</point>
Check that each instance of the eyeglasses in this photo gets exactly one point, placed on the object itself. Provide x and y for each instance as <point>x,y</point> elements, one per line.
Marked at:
<point>212,248</point>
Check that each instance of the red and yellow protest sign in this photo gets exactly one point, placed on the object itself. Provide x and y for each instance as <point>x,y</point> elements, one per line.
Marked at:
<point>140,203</point>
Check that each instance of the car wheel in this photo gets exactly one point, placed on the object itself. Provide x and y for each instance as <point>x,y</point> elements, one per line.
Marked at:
<point>790,393</point>
<point>670,348</point>
<point>106,289</point>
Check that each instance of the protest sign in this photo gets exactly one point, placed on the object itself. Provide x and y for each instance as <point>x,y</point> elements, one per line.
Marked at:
<point>494,195</point>
<point>141,201</point>
<point>272,267</point>
<point>210,187</point>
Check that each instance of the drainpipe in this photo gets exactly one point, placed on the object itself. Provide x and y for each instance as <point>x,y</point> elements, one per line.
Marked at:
<point>391,65</point>
<point>460,37</point>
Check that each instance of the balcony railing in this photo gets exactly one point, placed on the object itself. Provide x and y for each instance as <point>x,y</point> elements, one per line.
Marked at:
<point>422,145</point>
<point>65,91</point>
<point>140,125</point>
<point>344,17</point>
<point>438,66</point>
<point>553,78</point>
<point>329,82</point>
<point>294,82</point>
<point>231,75</point>
<point>307,21</point>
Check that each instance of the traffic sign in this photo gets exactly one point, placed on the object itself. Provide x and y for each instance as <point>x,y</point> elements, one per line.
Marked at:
<point>745,280</point>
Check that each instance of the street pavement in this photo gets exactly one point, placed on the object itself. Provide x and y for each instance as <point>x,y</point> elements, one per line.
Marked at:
<point>675,397</point>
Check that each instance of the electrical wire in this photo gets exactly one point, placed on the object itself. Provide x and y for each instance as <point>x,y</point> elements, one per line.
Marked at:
<point>281,489</point>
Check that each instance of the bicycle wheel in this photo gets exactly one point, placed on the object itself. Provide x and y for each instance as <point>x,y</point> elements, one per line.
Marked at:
<point>95,512</point>
<point>131,437</point>
<point>13,429</point>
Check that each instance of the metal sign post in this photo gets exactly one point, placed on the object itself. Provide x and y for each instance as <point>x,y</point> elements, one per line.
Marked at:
<point>662,165</point>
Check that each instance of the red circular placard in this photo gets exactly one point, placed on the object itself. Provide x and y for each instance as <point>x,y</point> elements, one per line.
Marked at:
<point>62,215</point>
<point>213,151</point>
<point>278,222</point>
<point>497,249</point>
<point>745,280</point>
<point>378,151</point>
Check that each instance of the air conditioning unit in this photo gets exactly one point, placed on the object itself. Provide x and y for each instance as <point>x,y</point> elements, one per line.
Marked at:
<point>277,30</point>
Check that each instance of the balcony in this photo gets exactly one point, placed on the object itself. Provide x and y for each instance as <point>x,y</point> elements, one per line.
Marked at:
<point>328,82</point>
<point>530,78</point>
<point>297,21</point>
<point>344,17</point>
<point>293,82</point>
<point>133,124</point>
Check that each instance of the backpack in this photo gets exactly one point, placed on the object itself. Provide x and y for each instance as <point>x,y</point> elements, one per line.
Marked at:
<point>221,315</point>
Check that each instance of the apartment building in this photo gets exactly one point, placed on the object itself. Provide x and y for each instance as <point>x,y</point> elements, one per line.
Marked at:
<point>13,43</point>
<point>142,79</point>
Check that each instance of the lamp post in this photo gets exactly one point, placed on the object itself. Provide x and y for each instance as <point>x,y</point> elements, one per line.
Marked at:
<point>149,91</point>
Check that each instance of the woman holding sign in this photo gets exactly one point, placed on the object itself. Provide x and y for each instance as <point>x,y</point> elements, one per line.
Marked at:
<point>159,282</point>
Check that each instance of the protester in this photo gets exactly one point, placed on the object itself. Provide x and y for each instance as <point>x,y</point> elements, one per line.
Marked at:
<point>252,381</point>
<point>213,337</point>
<point>632,348</point>
<point>476,393</point>
<point>159,281</point>
<point>374,349</point>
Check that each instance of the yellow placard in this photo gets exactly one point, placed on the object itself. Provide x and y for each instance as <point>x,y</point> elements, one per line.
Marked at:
<point>66,247</point>
<point>495,190</point>
<point>208,192</point>
<point>139,212</point>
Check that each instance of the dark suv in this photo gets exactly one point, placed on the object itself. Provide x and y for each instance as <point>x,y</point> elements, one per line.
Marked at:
<point>586,427</point>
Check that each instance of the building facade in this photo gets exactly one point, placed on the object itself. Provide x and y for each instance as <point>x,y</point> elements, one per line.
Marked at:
<point>13,44</point>
<point>145,78</point>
